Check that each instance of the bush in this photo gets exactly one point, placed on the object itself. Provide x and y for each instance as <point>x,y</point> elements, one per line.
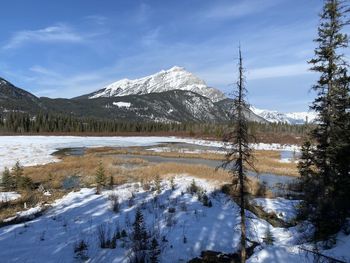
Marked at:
<point>157,183</point>
<point>206,201</point>
<point>104,237</point>
<point>172,183</point>
<point>114,199</point>
<point>193,188</point>
<point>171,210</point>
<point>80,249</point>
<point>268,238</point>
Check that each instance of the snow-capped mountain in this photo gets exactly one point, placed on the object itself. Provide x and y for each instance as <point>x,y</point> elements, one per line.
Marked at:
<point>176,78</point>
<point>290,118</point>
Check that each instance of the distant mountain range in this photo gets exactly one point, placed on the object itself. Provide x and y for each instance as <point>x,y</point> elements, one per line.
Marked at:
<point>290,118</point>
<point>167,96</point>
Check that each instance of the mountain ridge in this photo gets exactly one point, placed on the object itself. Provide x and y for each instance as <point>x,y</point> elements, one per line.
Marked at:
<point>175,78</point>
<point>188,99</point>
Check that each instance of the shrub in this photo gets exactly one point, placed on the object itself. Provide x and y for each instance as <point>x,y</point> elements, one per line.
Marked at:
<point>157,183</point>
<point>268,238</point>
<point>80,249</point>
<point>104,237</point>
<point>114,199</point>
<point>171,210</point>
<point>172,183</point>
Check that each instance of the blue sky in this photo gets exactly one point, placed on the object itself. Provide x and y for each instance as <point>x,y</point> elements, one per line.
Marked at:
<point>67,48</point>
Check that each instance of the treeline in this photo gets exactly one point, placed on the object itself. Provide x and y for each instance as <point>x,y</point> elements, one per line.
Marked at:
<point>21,123</point>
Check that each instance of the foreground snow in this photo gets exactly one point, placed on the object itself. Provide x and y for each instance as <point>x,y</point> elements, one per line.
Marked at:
<point>9,196</point>
<point>51,237</point>
<point>34,150</point>
<point>283,208</point>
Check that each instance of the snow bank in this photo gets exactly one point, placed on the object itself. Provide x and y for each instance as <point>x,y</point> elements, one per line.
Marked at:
<point>9,196</point>
<point>284,209</point>
<point>51,237</point>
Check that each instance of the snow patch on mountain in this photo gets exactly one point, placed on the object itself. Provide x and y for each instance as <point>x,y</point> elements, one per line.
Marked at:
<point>290,118</point>
<point>165,80</point>
<point>122,104</point>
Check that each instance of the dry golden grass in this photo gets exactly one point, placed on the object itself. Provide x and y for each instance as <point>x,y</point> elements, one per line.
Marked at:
<point>265,161</point>
<point>268,162</point>
<point>52,175</point>
<point>30,198</point>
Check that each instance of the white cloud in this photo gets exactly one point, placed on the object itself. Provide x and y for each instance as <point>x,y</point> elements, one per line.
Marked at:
<point>97,19</point>
<point>56,33</point>
<point>278,71</point>
<point>241,8</point>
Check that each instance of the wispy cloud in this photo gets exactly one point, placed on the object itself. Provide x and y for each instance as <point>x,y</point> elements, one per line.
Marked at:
<point>51,34</point>
<point>279,71</point>
<point>235,9</point>
<point>97,19</point>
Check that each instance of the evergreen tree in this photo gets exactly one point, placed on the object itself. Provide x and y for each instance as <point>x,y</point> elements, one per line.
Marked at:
<point>155,251</point>
<point>17,172</point>
<point>7,180</point>
<point>239,157</point>
<point>100,178</point>
<point>330,156</point>
<point>139,238</point>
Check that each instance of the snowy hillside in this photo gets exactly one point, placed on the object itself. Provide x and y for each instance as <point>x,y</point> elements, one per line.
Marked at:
<point>181,222</point>
<point>290,118</point>
<point>165,80</point>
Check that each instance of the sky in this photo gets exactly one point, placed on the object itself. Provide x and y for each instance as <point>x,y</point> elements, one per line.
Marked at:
<point>68,48</point>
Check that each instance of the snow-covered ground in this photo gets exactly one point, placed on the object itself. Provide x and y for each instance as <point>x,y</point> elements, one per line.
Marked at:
<point>284,209</point>
<point>77,216</point>
<point>34,150</point>
<point>8,196</point>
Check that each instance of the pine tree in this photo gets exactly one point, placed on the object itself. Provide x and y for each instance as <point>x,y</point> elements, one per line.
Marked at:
<point>330,176</point>
<point>17,171</point>
<point>139,238</point>
<point>155,251</point>
<point>7,180</point>
<point>239,156</point>
<point>306,167</point>
<point>100,178</point>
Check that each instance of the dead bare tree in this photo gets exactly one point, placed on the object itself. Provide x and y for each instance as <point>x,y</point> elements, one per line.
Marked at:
<point>239,155</point>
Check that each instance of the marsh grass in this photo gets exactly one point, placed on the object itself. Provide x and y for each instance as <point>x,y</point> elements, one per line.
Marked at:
<point>265,161</point>
<point>52,175</point>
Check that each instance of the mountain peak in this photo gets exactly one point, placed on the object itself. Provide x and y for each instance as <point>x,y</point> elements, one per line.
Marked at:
<point>164,80</point>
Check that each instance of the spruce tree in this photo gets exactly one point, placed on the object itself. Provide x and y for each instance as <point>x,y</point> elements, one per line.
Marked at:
<point>139,237</point>
<point>155,251</point>
<point>7,180</point>
<point>17,172</point>
<point>239,156</point>
<point>100,178</point>
<point>330,174</point>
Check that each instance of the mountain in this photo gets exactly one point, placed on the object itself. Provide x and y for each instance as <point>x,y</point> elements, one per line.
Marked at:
<point>176,78</point>
<point>16,99</point>
<point>290,118</point>
<point>227,106</point>
<point>173,105</point>
<point>173,95</point>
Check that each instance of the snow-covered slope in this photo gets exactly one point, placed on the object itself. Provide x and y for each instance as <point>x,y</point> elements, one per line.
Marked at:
<point>165,80</point>
<point>290,118</point>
